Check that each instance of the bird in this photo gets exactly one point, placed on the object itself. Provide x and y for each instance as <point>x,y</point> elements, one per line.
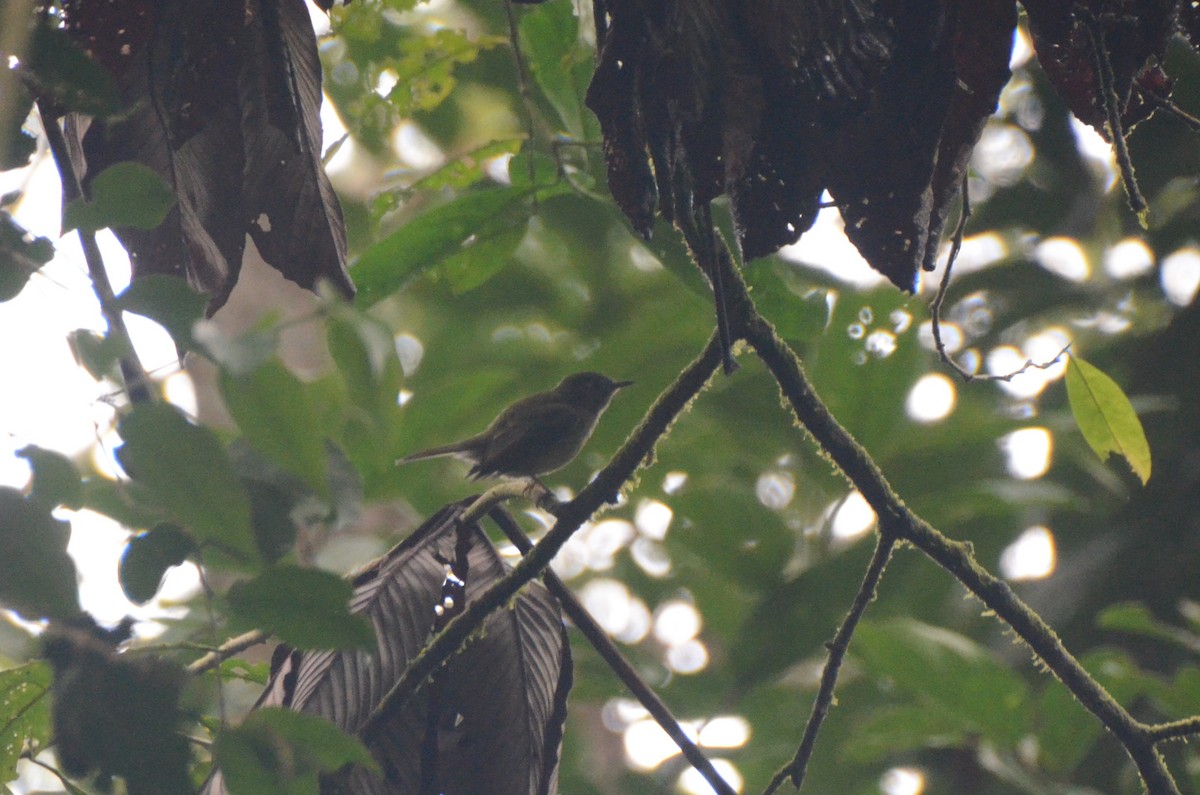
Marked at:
<point>536,435</point>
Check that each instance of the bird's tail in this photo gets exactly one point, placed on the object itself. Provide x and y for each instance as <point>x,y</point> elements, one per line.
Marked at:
<point>461,449</point>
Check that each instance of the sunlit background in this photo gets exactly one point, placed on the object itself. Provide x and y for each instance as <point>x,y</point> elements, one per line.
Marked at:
<point>57,405</point>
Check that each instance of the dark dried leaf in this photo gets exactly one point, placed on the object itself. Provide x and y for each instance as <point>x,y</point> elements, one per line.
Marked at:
<point>224,102</point>
<point>1134,35</point>
<point>501,699</point>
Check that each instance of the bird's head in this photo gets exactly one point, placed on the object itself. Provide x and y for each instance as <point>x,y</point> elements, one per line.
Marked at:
<point>589,390</point>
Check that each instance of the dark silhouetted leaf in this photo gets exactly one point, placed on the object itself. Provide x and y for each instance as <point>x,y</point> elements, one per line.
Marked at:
<point>37,578</point>
<point>224,108</point>
<point>124,194</point>
<point>147,558</point>
<point>21,255</point>
<point>64,71</point>
<point>307,608</point>
<point>114,712</point>
<point>55,479</point>
<point>189,473</point>
<point>1106,417</point>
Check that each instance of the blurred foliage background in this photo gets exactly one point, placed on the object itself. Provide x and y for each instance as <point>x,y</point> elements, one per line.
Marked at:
<point>499,264</point>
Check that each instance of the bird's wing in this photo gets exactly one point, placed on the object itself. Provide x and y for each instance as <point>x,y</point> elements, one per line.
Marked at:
<point>517,442</point>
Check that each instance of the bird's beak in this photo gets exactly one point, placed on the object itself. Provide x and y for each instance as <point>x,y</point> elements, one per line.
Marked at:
<point>621,385</point>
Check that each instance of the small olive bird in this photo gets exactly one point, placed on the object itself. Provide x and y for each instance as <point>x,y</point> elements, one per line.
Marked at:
<point>538,434</point>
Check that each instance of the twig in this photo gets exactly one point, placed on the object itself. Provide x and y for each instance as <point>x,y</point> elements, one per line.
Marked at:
<point>226,650</point>
<point>1175,730</point>
<point>1112,111</point>
<point>514,38</point>
<point>956,557</point>
<point>935,308</point>
<point>570,516</point>
<point>137,383</point>
<point>608,650</point>
<point>833,665</point>
<point>1168,105</point>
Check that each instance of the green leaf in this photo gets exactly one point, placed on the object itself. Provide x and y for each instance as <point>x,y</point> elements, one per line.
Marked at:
<point>486,255</point>
<point>24,713</point>
<point>189,473</point>
<point>167,300</point>
<point>37,577</point>
<point>276,414</point>
<point>430,238</point>
<point>550,40</point>
<point>1066,731</point>
<point>425,70</point>
<point>949,672</point>
<point>147,558</point>
<point>898,729</point>
<point>97,353</point>
<point>307,608</point>
<point>55,479</point>
<point>67,73</point>
<point>798,311</point>
<point>280,752</point>
<point>1106,417</point>
<point>466,169</point>
<point>365,353</point>
<point>126,502</point>
<point>545,170</point>
<point>122,195</point>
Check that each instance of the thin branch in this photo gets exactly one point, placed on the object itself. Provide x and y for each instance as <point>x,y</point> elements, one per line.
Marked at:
<point>608,650</point>
<point>797,768</point>
<point>603,489</point>
<point>955,557</point>
<point>137,383</point>
<point>1175,730</point>
<point>1112,111</point>
<point>514,38</point>
<point>228,649</point>
<point>935,308</point>
<point>1167,104</point>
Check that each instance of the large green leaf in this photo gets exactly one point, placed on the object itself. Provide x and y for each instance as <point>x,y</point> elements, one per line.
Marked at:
<point>1106,417</point>
<point>124,194</point>
<point>276,414</point>
<point>947,672</point>
<point>430,238</point>
<point>280,752</point>
<point>307,608</point>
<point>188,471</point>
<point>550,39</point>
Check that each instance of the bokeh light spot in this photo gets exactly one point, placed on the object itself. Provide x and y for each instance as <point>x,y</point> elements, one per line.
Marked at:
<point>1031,557</point>
<point>931,399</point>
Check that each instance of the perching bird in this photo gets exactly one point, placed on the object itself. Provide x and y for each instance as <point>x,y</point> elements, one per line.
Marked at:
<point>538,434</point>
